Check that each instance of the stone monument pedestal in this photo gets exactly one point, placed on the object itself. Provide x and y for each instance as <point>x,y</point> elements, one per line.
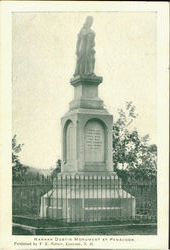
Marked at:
<point>87,130</point>
<point>87,198</point>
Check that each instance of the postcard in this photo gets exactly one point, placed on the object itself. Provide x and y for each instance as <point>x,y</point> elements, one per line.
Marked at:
<point>84,125</point>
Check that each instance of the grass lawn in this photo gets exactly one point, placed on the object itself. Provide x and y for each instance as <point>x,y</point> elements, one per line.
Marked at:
<point>101,230</point>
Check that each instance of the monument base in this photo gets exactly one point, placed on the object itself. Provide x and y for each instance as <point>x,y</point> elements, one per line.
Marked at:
<point>87,199</point>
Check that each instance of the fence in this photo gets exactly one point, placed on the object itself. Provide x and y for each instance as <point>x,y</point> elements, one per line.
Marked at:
<point>85,199</point>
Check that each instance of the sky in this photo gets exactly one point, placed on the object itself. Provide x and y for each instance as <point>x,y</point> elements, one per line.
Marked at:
<point>43,62</point>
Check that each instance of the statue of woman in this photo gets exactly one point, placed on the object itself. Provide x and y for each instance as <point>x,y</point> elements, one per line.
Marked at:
<point>85,50</point>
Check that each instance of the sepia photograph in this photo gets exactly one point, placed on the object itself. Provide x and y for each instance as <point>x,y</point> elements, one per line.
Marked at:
<point>85,127</point>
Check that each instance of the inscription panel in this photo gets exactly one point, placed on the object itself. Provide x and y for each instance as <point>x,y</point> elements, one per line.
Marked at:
<point>94,142</point>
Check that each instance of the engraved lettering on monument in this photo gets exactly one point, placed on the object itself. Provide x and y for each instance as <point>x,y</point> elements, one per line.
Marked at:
<point>94,142</point>
<point>94,139</point>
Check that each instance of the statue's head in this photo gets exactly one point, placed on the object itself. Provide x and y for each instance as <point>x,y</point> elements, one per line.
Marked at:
<point>89,21</point>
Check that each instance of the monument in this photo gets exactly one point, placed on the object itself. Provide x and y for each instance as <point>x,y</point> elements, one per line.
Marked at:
<point>87,189</point>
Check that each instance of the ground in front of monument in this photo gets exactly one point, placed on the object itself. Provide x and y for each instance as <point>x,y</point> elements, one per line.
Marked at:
<point>148,229</point>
